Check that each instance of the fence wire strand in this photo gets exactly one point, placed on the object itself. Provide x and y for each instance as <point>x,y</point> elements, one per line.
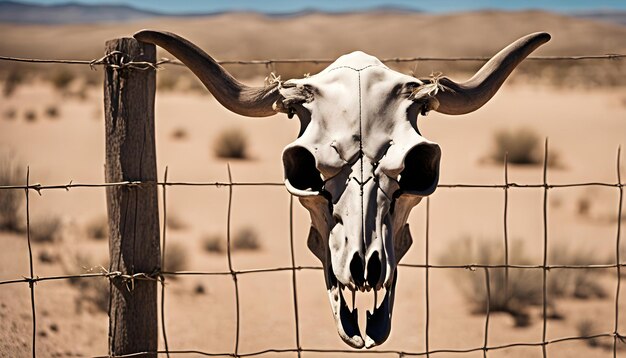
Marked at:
<point>269,63</point>
<point>162,277</point>
<point>617,252</point>
<point>544,295</point>
<point>427,266</point>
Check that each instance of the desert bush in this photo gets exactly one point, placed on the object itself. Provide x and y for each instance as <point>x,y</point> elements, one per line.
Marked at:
<point>576,283</point>
<point>47,229</point>
<point>166,82</point>
<point>525,286</point>
<point>14,80</point>
<point>52,111</point>
<point>522,145</point>
<point>10,199</point>
<point>586,328</point>
<point>175,257</point>
<point>47,256</point>
<point>583,206</point>
<point>10,113</point>
<point>98,228</point>
<point>61,79</point>
<point>179,134</point>
<point>174,222</point>
<point>231,143</point>
<point>246,239</point>
<point>94,291</point>
<point>30,115</point>
<point>213,243</point>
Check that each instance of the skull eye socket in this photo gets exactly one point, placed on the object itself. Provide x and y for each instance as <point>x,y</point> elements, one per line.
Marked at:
<point>301,175</point>
<point>421,170</point>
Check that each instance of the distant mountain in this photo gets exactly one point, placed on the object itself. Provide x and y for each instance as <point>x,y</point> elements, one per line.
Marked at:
<point>76,13</point>
<point>611,16</point>
<point>17,12</point>
<point>69,13</point>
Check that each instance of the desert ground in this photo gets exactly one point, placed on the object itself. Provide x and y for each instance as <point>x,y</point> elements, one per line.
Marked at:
<point>585,124</point>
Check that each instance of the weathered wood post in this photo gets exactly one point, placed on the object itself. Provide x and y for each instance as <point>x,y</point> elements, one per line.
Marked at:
<point>132,210</point>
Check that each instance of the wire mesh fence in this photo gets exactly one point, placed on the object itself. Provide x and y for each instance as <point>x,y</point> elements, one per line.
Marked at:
<point>294,268</point>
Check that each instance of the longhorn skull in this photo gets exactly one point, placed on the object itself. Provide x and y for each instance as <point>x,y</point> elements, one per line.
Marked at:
<point>359,164</point>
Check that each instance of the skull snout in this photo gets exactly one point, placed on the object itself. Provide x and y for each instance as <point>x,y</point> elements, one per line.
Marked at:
<point>365,280</point>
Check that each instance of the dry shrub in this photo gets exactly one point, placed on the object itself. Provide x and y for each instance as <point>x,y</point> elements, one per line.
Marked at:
<point>47,229</point>
<point>246,239</point>
<point>10,114</point>
<point>576,283</point>
<point>525,285</point>
<point>30,115</point>
<point>13,81</point>
<point>11,199</point>
<point>231,143</point>
<point>213,243</point>
<point>175,223</point>
<point>94,292</point>
<point>522,146</point>
<point>98,228</point>
<point>52,111</point>
<point>61,79</point>
<point>179,134</point>
<point>46,256</point>
<point>175,257</point>
<point>166,82</point>
<point>587,327</point>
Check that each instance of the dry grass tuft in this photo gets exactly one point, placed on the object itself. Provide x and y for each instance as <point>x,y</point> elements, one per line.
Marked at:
<point>98,228</point>
<point>46,229</point>
<point>52,112</point>
<point>179,134</point>
<point>11,199</point>
<point>231,143</point>
<point>9,114</point>
<point>246,239</point>
<point>523,147</point>
<point>525,286</point>
<point>213,243</point>
<point>94,292</point>
<point>61,79</point>
<point>175,222</point>
<point>176,257</point>
<point>12,82</point>
<point>30,115</point>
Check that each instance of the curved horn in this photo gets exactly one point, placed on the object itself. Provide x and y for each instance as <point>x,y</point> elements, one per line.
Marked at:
<point>461,98</point>
<point>232,94</point>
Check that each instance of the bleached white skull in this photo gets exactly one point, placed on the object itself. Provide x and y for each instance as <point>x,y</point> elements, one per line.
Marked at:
<point>359,164</point>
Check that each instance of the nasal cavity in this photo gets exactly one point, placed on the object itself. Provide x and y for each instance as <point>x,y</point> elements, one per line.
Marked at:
<point>356,270</point>
<point>373,270</point>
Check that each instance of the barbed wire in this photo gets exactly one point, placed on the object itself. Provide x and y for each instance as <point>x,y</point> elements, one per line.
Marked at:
<point>119,60</point>
<point>105,60</point>
<point>161,276</point>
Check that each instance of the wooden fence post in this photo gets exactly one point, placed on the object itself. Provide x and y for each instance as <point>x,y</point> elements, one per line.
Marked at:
<point>133,210</point>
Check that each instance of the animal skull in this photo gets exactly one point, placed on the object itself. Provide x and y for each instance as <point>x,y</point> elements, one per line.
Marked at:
<point>359,164</point>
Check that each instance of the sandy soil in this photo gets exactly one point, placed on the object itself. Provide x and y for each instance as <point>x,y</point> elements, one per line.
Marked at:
<point>584,128</point>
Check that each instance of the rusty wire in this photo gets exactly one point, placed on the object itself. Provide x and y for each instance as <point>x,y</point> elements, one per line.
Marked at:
<point>120,62</point>
<point>161,276</point>
<point>105,60</point>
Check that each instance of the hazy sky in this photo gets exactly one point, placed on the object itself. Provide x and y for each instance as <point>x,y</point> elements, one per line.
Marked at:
<point>273,6</point>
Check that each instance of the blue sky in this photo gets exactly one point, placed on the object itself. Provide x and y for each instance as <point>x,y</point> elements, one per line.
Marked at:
<point>278,6</point>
